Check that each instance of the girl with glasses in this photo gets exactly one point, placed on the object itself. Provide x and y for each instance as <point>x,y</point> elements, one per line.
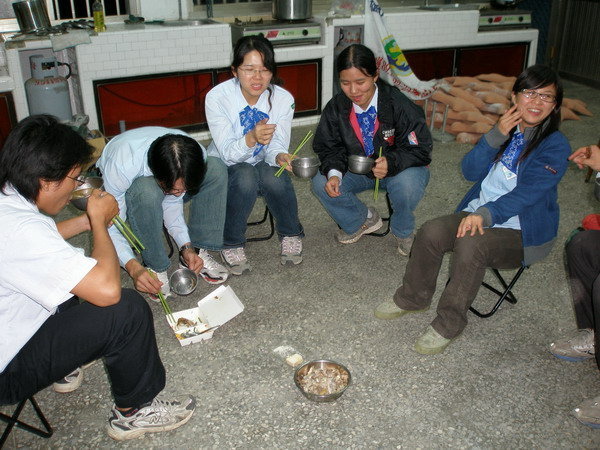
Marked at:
<point>250,120</point>
<point>508,218</point>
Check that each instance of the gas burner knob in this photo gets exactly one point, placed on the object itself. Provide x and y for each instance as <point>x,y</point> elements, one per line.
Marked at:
<point>490,20</point>
<point>521,19</point>
<point>305,32</point>
<point>261,34</point>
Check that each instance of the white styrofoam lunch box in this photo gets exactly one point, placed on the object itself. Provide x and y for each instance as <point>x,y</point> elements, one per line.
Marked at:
<point>200,323</point>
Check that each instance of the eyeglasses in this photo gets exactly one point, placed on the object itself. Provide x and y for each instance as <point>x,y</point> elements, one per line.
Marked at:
<point>80,179</point>
<point>548,98</point>
<point>250,71</point>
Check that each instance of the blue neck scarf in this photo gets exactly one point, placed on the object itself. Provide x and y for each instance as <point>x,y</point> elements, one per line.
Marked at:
<point>510,157</point>
<point>366,122</point>
<point>249,117</point>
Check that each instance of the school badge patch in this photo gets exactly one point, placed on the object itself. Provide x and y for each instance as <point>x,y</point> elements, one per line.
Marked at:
<point>388,136</point>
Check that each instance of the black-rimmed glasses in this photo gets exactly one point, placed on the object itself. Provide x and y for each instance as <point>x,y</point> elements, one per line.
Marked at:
<point>80,179</point>
<point>548,98</point>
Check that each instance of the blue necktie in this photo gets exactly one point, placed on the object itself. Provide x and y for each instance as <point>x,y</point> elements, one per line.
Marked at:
<point>249,117</point>
<point>510,157</point>
<point>366,122</point>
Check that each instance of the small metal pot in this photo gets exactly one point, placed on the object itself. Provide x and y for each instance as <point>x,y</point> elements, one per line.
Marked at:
<point>291,9</point>
<point>31,15</point>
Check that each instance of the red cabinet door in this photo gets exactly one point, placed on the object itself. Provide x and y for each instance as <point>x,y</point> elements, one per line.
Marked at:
<point>8,118</point>
<point>508,60</point>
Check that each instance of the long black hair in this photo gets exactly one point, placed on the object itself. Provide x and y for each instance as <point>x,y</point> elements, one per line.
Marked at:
<point>262,45</point>
<point>40,148</point>
<point>174,156</point>
<point>358,56</point>
<point>537,77</point>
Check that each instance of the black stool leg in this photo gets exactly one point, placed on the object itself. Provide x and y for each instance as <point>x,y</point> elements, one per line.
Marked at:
<point>14,421</point>
<point>263,220</point>
<point>385,219</point>
<point>506,295</point>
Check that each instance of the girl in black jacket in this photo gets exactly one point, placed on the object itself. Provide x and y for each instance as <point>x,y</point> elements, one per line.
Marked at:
<point>367,117</point>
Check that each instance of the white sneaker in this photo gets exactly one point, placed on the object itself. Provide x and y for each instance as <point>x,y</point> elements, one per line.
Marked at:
<point>69,383</point>
<point>212,272</point>
<point>163,277</point>
<point>291,250</point>
<point>236,261</point>
<point>159,415</point>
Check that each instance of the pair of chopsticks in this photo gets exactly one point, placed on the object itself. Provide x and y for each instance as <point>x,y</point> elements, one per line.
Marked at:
<point>304,141</point>
<point>163,302</point>
<point>128,233</point>
<point>376,190</point>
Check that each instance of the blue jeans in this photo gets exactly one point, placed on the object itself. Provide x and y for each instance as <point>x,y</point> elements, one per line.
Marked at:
<point>206,216</point>
<point>405,189</point>
<point>246,183</point>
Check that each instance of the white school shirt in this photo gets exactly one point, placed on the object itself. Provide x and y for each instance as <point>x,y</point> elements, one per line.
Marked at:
<point>124,159</point>
<point>38,270</point>
<point>223,105</point>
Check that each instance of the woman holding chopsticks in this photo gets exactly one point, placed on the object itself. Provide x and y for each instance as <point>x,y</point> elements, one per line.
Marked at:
<point>250,120</point>
<point>371,118</point>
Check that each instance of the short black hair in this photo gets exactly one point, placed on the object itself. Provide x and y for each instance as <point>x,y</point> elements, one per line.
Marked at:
<point>40,148</point>
<point>359,56</point>
<point>174,156</point>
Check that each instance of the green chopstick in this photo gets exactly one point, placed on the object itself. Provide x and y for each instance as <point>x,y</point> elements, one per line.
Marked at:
<point>119,227</point>
<point>376,190</point>
<point>130,232</point>
<point>304,141</point>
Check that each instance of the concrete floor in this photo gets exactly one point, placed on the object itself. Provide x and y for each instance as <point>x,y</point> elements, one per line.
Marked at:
<point>497,386</point>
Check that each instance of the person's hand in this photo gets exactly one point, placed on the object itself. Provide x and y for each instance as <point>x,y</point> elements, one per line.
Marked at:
<point>509,120</point>
<point>380,169</point>
<point>262,133</point>
<point>332,187</point>
<point>472,224</point>
<point>192,260</point>
<point>588,156</point>
<point>143,280</point>
<point>283,158</point>
<point>101,206</point>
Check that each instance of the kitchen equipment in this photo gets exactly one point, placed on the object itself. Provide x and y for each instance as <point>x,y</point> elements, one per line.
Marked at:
<point>31,15</point>
<point>183,281</point>
<point>291,9</point>
<point>305,167</point>
<point>47,92</point>
<point>360,164</point>
<point>80,196</point>
<point>278,32</point>
<point>330,369</point>
<point>503,19</point>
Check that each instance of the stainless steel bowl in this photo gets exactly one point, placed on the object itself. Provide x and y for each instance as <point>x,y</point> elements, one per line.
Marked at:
<point>321,364</point>
<point>305,167</point>
<point>360,164</point>
<point>183,281</point>
<point>80,196</point>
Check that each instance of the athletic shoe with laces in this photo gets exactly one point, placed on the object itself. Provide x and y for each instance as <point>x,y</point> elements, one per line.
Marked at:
<point>575,348</point>
<point>588,412</point>
<point>212,271</point>
<point>69,383</point>
<point>163,277</point>
<point>236,261</point>
<point>159,415</point>
<point>373,223</point>
<point>291,250</point>
<point>405,244</point>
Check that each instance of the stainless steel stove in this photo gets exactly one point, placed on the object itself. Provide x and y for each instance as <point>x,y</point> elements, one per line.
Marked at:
<point>502,19</point>
<point>280,33</point>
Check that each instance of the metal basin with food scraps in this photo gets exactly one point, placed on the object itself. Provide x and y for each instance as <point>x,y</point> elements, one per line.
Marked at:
<point>322,380</point>
<point>79,197</point>
<point>360,164</point>
<point>305,167</point>
<point>183,281</point>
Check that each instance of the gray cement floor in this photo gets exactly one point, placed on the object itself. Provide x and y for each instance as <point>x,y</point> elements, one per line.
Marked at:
<point>497,386</point>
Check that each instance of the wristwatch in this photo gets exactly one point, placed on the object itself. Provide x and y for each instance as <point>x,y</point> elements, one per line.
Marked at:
<point>185,247</point>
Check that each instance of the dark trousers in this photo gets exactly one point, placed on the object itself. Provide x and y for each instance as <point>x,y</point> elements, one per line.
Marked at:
<point>122,334</point>
<point>500,248</point>
<point>583,266</point>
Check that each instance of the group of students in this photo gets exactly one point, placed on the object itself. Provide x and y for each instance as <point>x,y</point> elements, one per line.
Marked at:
<point>63,309</point>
